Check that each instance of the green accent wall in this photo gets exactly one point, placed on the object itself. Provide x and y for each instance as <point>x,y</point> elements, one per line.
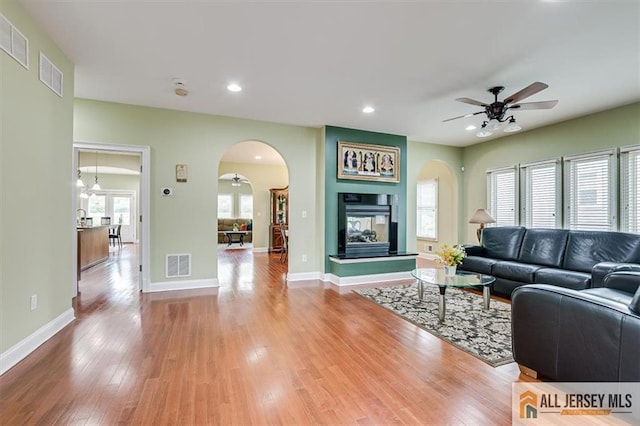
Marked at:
<point>333,185</point>
<point>371,268</point>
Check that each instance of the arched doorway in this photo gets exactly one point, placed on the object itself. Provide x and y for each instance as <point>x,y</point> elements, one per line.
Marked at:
<point>441,178</point>
<point>259,168</point>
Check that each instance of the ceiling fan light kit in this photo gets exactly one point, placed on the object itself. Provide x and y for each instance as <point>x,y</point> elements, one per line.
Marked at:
<point>496,111</point>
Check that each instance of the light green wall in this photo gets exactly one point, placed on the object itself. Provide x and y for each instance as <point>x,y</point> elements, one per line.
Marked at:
<point>262,178</point>
<point>186,222</point>
<point>35,123</point>
<point>613,128</point>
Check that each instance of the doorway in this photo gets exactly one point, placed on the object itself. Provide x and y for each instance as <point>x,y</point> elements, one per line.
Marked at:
<point>119,204</point>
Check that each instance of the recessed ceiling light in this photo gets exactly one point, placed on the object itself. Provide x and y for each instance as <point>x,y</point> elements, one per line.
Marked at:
<point>368,109</point>
<point>470,127</point>
<point>233,87</point>
<point>258,157</point>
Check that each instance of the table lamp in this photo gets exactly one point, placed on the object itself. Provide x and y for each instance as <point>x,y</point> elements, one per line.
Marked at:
<point>482,217</point>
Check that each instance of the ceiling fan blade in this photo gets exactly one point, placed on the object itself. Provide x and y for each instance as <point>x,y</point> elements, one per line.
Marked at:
<point>471,101</point>
<point>535,105</point>
<point>532,89</point>
<point>463,116</point>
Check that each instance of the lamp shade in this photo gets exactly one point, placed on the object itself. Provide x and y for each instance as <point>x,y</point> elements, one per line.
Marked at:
<point>481,216</point>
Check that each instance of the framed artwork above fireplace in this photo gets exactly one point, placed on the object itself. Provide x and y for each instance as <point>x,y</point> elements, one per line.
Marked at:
<point>361,161</point>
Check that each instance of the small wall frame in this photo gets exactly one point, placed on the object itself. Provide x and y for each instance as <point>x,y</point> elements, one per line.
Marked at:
<point>181,172</point>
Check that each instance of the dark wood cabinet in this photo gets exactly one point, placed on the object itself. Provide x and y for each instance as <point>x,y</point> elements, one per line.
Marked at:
<point>279,213</point>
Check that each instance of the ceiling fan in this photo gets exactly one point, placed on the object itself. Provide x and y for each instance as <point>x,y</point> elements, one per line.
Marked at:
<point>497,111</point>
<point>237,181</point>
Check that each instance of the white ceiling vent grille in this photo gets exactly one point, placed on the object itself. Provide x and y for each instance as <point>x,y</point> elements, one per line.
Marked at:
<point>178,265</point>
<point>13,42</point>
<point>50,75</point>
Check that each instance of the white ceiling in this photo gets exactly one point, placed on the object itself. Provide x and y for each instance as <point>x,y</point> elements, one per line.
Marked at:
<point>318,63</point>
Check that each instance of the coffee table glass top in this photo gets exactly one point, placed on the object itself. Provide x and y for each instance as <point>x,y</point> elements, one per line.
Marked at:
<point>437,277</point>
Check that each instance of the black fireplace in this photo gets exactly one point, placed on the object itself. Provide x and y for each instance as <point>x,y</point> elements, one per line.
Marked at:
<point>367,225</point>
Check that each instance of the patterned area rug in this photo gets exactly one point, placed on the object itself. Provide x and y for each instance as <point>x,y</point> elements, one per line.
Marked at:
<point>484,334</point>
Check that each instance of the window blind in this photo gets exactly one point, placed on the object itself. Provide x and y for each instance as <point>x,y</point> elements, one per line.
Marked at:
<point>629,189</point>
<point>427,209</point>
<point>541,207</point>
<point>503,196</point>
<point>590,195</point>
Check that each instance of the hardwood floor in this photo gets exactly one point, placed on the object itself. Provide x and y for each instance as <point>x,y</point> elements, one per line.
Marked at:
<point>253,352</point>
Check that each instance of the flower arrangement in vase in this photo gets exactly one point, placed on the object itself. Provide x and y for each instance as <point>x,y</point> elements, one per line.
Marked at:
<point>451,257</point>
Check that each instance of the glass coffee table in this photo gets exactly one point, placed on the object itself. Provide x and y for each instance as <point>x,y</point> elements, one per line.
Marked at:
<point>462,279</point>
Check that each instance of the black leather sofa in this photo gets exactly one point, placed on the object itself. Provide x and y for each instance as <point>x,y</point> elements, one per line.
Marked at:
<point>577,260</point>
<point>591,335</point>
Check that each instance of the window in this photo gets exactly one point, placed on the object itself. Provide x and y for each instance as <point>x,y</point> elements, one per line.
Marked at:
<point>630,189</point>
<point>427,209</point>
<point>541,198</point>
<point>225,206</point>
<point>502,193</point>
<point>246,206</point>
<point>96,207</point>
<point>590,191</point>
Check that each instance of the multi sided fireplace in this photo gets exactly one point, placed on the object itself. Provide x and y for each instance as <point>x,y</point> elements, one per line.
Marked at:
<point>366,225</point>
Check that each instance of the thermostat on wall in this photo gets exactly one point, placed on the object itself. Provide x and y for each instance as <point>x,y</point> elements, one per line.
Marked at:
<point>167,192</point>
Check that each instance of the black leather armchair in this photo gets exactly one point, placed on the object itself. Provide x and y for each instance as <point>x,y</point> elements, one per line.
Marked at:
<point>579,336</point>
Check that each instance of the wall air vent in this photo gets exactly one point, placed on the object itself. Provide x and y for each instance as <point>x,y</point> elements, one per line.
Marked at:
<point>178,265</point>
<point>50,75</point>
<point>13,42</point>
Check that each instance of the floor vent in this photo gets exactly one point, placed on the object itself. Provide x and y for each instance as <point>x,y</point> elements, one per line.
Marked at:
<point>13,42</point>
<point>50,75</point>
<point>178,265</point>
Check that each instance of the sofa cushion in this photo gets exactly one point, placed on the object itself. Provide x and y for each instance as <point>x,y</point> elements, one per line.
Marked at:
<point>586,248</point>
<point>561,277</point>
<point>515,271</point>
<point>502,242</point>
<point>544,246</point>
<point>480,265</point>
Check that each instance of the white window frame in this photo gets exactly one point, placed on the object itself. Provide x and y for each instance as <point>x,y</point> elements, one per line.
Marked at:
<point>629,189</point>
<point>612,188</point>
<point>528,201</point>
<point>492,200</point>
<point>230,196</point>
<point>420,207</point>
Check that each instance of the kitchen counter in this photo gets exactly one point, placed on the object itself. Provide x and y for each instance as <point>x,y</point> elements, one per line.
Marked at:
<point>93,246</point>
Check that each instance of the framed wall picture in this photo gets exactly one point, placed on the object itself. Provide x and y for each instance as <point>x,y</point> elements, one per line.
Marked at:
<point>361,161</point>
<point>181,172</point>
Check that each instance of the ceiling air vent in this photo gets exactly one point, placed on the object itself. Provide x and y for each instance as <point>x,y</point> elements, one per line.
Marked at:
<point>13,42</point>
<point>178,265</point>
<point>50,75</point>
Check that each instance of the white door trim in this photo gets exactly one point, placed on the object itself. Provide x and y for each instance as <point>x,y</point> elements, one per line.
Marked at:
<point>145,204</point>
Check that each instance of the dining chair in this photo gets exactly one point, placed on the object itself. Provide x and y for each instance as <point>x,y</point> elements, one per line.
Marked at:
<point>115,236</point>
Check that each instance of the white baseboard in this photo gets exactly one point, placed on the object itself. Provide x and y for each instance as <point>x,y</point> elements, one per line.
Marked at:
<point>261,249</point>
<point>20,350</point>
<point>303,276</point>
<point>183,285</point>
<point>429,256</point>
<point>367,279</point>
